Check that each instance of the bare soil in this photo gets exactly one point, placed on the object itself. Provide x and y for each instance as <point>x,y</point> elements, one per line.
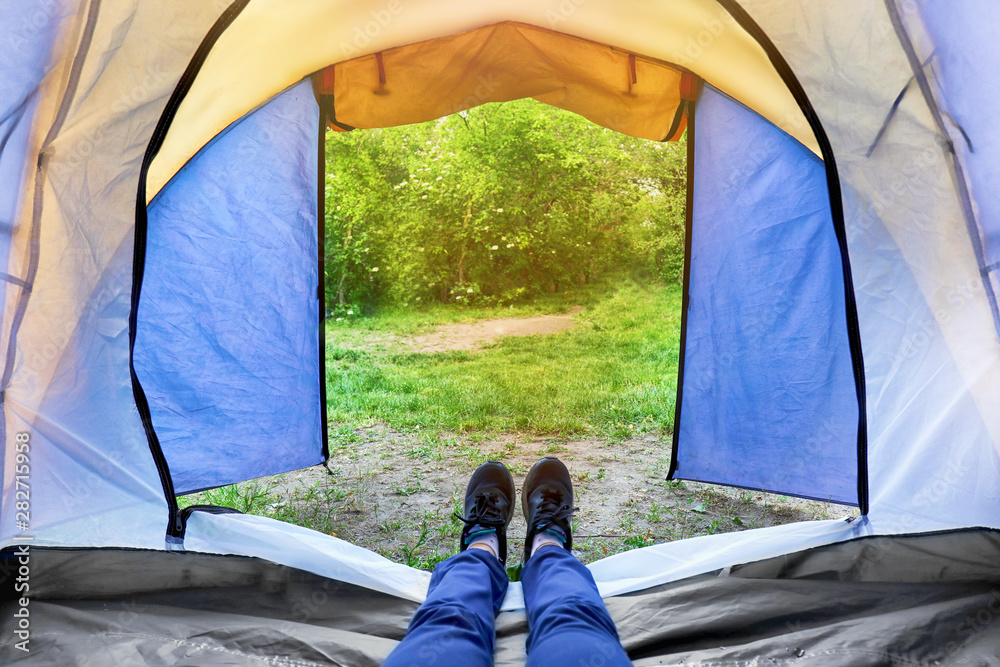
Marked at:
<point>395,492</point>
<point>472,336</point>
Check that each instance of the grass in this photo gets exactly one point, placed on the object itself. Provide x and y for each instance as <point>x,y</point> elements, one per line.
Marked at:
<point>253,497</point>
<point>407,427</point>
<point>412,320</point>
<point>613,376</point>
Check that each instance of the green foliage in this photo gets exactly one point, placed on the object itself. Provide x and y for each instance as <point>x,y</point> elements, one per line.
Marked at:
<point>494,205</point>
<point>614,375</point>
<point>253,497</point>
<point>637,541</point>
<point>414,555</point>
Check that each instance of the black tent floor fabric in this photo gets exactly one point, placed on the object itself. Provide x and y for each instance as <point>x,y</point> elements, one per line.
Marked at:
<point>923,599</point>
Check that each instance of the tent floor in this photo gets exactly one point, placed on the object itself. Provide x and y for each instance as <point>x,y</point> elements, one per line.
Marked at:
<point>903,600</point>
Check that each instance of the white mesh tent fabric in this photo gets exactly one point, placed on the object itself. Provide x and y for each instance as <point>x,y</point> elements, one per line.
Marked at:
<point>161,334</point>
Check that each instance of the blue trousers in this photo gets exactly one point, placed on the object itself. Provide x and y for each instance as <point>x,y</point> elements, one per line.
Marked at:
<point>568,625</point>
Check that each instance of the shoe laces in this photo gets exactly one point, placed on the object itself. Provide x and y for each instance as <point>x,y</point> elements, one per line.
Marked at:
<point>552,511</point>
<point>485,512</point>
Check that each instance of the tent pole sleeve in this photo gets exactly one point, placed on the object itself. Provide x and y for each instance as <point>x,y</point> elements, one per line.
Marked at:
<point>837,209</point>
<point>686,297</point>
<point>961,183</point>
<point>34,240</point>
<point>321,268</point>
<point>175,525</point>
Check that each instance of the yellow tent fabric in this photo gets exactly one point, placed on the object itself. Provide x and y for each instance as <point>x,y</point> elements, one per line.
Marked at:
<point>273,44</point>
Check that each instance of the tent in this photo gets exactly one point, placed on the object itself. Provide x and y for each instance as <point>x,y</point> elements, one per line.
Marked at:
<point>161,330</point>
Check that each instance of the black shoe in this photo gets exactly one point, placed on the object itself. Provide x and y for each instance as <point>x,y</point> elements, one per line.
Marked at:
<point>547,501</point>
<point>489,505</point>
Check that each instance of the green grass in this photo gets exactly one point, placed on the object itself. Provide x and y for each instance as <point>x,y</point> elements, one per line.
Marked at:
<point>397,319</point>
<point>613,376</point>
<point>253,497</point>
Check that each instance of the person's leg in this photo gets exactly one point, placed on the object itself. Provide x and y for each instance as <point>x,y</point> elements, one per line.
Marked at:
<point>568,624</point>
<point>455,624</point>
<point>567,620</point>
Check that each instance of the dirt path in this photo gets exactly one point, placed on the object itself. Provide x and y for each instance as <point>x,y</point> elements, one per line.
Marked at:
<point>472,336</point>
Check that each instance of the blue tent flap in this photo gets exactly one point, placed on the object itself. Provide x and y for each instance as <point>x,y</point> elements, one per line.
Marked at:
<point>767,396</point>
<point>227,342</point>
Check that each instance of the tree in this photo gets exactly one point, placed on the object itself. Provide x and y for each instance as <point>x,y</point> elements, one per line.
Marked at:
<point>495,204</point>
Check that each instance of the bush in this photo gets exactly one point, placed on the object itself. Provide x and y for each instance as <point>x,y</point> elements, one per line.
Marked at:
<point>494,205</point>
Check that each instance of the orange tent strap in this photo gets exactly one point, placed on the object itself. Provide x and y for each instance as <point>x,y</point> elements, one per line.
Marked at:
<point>689,86</point>
<point>381,68</point>
<point>326,81</point>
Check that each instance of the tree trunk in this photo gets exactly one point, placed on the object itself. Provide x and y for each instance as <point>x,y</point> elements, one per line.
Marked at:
<point>465,241</point>
<point>341,300</point>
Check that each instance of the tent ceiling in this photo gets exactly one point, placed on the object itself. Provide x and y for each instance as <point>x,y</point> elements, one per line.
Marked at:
<point>273,44</point>
<point>509,61</point>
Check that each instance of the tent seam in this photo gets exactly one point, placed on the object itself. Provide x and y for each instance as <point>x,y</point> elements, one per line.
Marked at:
<point>686,294</point>
<point>837,213</point>
<point>175,526</point>
<point>34,242</point>
<point>971,224</point>
<point>321,265</point>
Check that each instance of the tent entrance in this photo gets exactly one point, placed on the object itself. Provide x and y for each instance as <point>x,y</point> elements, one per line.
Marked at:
<point>616,88</point>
